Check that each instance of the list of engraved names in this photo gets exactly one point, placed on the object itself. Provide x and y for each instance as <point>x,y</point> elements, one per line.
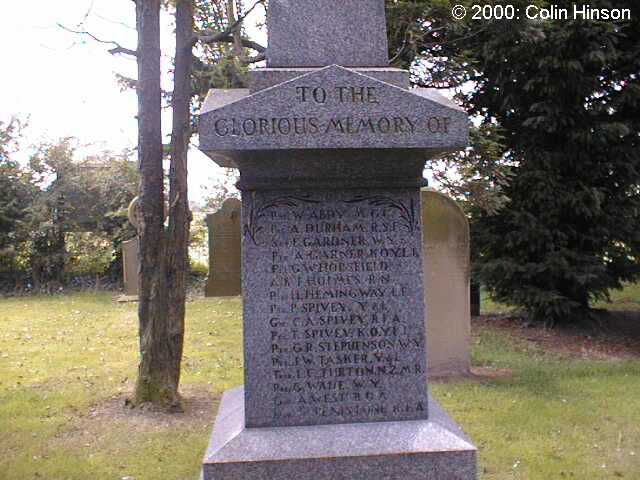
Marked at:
<point>344,316</point>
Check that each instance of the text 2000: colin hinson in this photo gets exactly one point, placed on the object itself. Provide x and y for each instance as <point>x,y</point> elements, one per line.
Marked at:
<point>577,12</point>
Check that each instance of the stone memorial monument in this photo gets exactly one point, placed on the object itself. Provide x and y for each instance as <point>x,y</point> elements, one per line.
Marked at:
<point>446,266</point>
<point>224,251</point>
<point>331,146</point>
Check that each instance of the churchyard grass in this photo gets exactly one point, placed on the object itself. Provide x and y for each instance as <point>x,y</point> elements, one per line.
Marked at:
<point>68,362</point>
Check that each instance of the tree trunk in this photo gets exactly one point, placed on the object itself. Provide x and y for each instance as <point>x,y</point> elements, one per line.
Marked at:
<point>157,373</point>
<point>177,254</point>
<point>238,49</point>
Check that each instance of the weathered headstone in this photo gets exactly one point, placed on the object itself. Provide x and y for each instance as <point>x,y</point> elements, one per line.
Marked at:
<point>130,266</point>
<point>331,163</point>
<point>131,258</point>
<point>224,251</point>
<point>446,266</point>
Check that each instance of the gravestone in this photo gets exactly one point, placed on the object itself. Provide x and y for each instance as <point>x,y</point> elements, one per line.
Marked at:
<point>446,266</point>
<point>130,266</point>
<point>131,258</point>
<point>331,160</point>
<point>224,251</point>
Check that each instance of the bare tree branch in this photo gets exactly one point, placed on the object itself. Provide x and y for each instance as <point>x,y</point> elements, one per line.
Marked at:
<point>126,82</point>
<point>245,43</point>
<point>226,36</point>
<point>258,58</point>
<point>118,49</point>
<point>253,45</point>
<point>122,50</point>
<point>89,10</point>
<point>402,49</point>
<point>115,22</point>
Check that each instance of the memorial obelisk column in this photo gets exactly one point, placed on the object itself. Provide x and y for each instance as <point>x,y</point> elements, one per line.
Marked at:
<point>331,145</point>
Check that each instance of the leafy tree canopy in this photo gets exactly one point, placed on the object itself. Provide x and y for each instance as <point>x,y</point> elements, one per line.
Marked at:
<point>17,192</point>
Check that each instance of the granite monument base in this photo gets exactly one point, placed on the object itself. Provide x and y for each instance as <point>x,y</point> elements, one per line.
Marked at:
<point>434,449</point>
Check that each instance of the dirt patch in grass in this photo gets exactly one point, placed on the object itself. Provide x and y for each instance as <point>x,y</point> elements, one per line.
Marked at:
<point>614,336</point>
<point>112,416</point>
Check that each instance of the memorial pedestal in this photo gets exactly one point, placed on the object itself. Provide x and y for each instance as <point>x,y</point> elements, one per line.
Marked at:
<point>331,164</point>
<point>433,449</point>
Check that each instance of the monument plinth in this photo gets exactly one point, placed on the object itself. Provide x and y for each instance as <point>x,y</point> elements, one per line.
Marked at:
<point>331,164</point>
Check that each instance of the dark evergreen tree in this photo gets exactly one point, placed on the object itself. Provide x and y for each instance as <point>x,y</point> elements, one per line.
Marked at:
<point>566,97</point>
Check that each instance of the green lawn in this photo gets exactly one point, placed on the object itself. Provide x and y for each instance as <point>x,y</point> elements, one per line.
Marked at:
<point>67,363</point>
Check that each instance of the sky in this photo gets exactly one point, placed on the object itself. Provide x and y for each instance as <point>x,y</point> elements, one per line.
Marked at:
<point>66,84</point>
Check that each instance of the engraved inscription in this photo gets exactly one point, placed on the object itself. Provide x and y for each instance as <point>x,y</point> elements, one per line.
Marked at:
<point>342,124</point>
<point>258,212</point>
<point>342,94</point>
<point>308,126</point>
<point>343,325</point>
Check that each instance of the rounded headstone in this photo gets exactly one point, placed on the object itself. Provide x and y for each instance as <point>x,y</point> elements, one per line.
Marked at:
<point>447,270</point>
<point>133,213</point>
<point>225,278</point>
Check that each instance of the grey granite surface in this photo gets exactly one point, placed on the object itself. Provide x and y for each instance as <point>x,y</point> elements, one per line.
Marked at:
<point>263,78</point>
<point>316,33</point>
<point>331,163</point>
<point>332,108</point>
<point>333,307</point>
<point>331,169</point>
<point>434,449</point>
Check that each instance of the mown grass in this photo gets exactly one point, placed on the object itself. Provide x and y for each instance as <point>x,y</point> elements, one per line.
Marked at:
<point>62,358</point>
<point>553,418</point>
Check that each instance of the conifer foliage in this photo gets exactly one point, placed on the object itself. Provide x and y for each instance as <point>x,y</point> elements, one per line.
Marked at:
<point>568,96</point>
<point>565,97</point>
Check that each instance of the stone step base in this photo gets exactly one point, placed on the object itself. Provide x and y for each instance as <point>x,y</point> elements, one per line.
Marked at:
<point>434,449</point>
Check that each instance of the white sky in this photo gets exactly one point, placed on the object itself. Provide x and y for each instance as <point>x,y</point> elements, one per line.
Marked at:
<point>66,84</point>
